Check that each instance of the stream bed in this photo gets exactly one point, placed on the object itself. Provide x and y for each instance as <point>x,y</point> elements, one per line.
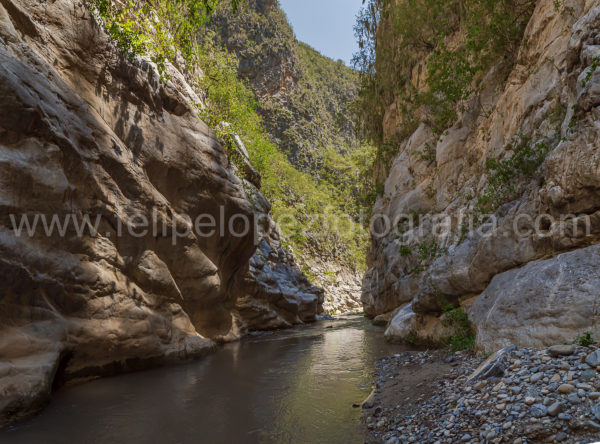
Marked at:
<point>293,386</point>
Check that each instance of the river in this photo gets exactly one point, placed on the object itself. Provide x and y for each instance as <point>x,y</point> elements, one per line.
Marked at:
<point>293,386</point>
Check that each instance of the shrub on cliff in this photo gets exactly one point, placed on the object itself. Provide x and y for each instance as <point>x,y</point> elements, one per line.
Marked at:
<point>426,57</point>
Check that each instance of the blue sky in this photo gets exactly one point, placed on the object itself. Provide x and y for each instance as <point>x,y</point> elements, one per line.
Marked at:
<point>326,25</point>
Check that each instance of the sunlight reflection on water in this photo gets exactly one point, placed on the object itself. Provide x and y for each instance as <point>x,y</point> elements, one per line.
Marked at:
<point>296,386</point>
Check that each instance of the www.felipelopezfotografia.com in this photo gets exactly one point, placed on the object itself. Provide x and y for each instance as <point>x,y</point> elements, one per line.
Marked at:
<point>406,228</point>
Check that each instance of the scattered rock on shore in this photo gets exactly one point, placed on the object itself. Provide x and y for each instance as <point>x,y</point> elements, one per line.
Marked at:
<point>548,395</point>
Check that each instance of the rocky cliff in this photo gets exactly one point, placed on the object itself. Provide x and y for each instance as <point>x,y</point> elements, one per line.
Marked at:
<point>499,213</point>
<point>123,162</point>
<point>304,99</point>
<point>303,96</point>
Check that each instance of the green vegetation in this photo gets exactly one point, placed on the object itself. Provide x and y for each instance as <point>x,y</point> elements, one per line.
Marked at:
<point>426,251</point>
<point>505,176</point>
<point>427,154</point>
<point>447,45</point>
<point>410,339</point>
<point>405,251</point>
<point>308,272</point>
<point>463,337</point>
<point>133,26</point>
<point>303,95</point>
<point>590,73</point>
<point>585,340</point>
<point>314,211</point>
<point>303,98</point>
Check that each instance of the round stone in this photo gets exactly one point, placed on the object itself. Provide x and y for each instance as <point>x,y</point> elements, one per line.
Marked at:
<point>561,350</point>
<point>539,410</point>
<point>593,359</point>
<point>566,388</point>
<point>555,409</point>
<point>565,417</point>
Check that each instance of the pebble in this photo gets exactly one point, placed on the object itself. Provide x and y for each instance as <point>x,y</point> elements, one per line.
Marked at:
<point>555,409</point>
<point>596,411</point>
<point>565,416</point>
<point>539,410</point>
<point>588,375</point>
<point>561,350</point>
<point>593,359</point>
<point>535,378</point>
<point>480,385</point>
<point>566,388</point>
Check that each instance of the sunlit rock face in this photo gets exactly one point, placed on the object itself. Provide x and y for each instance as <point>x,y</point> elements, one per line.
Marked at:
<point>84,131</point>
<point>495,278</point>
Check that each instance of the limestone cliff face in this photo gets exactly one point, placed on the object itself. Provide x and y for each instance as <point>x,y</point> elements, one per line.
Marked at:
<point>264,43</point>
<point>84,131</point>
<point>531,287</point>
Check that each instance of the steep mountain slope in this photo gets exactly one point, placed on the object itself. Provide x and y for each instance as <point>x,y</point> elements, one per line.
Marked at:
<point>488,212</point>
<point>123,162</point>
<point>304,100</point>
<point>303,95</point>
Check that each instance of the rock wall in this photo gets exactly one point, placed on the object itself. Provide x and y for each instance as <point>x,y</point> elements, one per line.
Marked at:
<point>509,295</point>
<point>84,131</point>
<point>342,285</point>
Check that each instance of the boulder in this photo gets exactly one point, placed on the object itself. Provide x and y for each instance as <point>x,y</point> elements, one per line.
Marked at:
<point>402,324</point>
<point>383,319</point>
<point>540,304</point>
<point>493,367</point>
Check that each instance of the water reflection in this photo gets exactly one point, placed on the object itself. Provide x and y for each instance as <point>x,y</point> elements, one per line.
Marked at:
<point>288,387</point>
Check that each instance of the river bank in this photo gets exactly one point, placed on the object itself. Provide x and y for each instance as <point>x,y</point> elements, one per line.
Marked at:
<point>519,396</point>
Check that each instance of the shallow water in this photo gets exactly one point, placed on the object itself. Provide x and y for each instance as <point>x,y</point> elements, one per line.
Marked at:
<point>296,386</point>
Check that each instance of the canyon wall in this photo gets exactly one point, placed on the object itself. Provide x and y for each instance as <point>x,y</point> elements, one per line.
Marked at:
<point>85,132</point>
<point>530,281</point>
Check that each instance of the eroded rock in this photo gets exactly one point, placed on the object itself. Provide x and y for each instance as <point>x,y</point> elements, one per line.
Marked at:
<point>86,132</point>
<point>465,266</point>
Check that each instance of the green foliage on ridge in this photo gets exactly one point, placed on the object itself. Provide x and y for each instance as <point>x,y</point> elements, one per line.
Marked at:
<point>158,28</point>
<point>303,96</point>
